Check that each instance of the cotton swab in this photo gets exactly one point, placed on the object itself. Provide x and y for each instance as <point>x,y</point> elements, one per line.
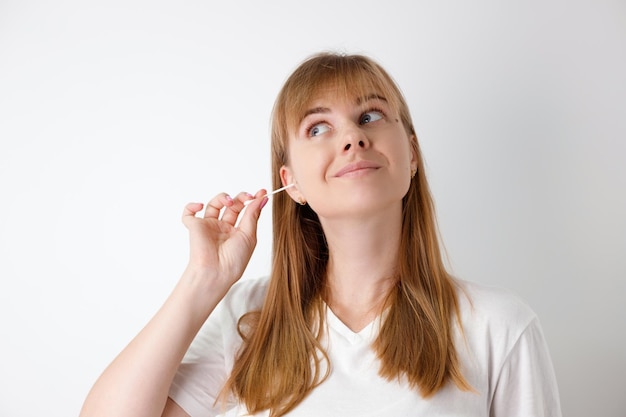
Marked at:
<point>245,203</point>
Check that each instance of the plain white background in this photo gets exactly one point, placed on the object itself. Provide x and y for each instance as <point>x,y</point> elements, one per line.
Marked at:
<point>115,114</point>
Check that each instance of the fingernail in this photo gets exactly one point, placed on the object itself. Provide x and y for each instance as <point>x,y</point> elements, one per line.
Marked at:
<point>229,198</point>
<point>264,202</point>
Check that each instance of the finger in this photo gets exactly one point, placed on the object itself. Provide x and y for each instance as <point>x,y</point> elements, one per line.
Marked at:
<point>189,212</point>
<point>250,218</point>
<point>215,206</point>
<point>192,208</point>
<point>231,213</point>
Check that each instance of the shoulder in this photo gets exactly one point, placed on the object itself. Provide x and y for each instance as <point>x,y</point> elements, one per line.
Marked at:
<point>493,321</point>
<point>244,296</point>
<point>492,312</point>
<point>504,352</point>
<point>492,303</point>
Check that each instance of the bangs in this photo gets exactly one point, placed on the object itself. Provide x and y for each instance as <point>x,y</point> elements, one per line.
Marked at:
<point>346,77</point>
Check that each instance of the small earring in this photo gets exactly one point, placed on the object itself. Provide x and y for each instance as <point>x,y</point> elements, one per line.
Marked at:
<point>302,202</point>
<point>413,172</point>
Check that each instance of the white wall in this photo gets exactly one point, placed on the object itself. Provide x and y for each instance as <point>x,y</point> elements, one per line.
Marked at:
<point>115,114</point>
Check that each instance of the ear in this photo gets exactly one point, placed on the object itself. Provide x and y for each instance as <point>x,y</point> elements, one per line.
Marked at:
<point>287,177</point>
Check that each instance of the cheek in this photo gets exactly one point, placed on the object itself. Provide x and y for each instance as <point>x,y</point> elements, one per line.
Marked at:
<point>310,162</point>
<point>402,154</point>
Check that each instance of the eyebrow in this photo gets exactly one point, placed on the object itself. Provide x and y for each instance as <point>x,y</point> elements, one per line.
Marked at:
<point>315,110</point>
<point>370,97</point>
<point>360,100</point>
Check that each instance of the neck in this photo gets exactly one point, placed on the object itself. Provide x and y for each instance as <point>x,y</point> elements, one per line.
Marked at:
<point>361,266</point>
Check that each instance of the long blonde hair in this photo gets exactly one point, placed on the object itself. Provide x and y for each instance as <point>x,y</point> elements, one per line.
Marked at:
<point>281,359</point>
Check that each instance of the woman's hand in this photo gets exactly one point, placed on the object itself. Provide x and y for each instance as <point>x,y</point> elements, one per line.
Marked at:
<point>223,238</point>
<point>137,382</point>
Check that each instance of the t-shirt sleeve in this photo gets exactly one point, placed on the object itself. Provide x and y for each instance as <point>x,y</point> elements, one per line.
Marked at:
<point>202,373</point>
<point>526,385</point>
<point>209,360</point>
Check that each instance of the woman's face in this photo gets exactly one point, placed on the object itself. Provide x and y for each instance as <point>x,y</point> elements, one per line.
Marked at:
<point>349,157</point>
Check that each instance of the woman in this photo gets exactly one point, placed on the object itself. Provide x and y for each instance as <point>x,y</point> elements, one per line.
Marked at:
<point>359,316</point>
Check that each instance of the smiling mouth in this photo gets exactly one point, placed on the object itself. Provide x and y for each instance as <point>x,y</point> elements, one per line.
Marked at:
<point>357,168</point>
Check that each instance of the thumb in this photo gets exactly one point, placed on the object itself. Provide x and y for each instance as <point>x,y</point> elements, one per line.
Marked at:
<point>251,216</point>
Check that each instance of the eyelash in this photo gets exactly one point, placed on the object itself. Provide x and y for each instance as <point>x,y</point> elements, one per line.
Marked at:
<point>318,122</point>
<point>312,125</point>
<point>373,109</point>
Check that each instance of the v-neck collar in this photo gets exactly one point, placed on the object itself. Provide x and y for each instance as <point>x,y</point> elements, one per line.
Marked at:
<point>366,334</point>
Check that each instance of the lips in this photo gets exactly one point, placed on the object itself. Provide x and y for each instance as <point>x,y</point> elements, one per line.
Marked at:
<point>356,166</point>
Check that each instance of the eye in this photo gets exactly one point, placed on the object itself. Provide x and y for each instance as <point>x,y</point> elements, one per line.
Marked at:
<point>317,129</point>
<point>371,116</point>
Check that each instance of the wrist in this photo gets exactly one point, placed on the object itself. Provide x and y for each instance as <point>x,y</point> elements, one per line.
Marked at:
<point>201,290</point>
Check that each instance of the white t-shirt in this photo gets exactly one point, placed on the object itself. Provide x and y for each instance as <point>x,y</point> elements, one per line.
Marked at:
<point>503,356</point>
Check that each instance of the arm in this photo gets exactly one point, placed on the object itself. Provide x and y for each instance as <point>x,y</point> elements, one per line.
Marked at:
<point>136,383</point>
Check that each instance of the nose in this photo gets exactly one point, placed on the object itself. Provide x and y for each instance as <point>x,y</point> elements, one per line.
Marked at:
<point>360,143</point>
<point>354,139</point>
